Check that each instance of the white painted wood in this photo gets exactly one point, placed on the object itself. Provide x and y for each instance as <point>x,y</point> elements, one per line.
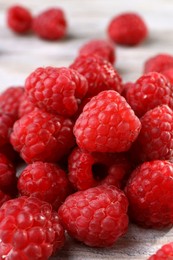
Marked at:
<point>88,19</point>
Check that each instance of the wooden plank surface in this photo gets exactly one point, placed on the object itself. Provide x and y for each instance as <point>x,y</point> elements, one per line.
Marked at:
<point>88,19</point>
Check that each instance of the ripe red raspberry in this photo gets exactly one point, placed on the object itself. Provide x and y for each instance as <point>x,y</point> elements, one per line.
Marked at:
<point>40,136</point>
<point>126,87</point>
<point>7,175</point>
<point>164,253</point>
<point>158,63</point>
<point>155,140</point>
<point>99,73</point>
<point>97,216</point>
<point>50,24</point>
<point>101,48</point>
<point>150,191</point>
<point>29,229</point>
<point>57,90</point>
<point>169,74</point>
<point>3,198</point>
<point>127,29</point>
<point>88,170</point>
<point>107,124</point>
<point>10,100</point>
<point>149,91</point>
<point>6,124</point>
<point>26,106</point>
<point>19,19</point>
<point>45,181</point>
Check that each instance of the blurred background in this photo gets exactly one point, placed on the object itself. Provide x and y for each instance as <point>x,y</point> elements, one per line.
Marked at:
<point>87,19</point>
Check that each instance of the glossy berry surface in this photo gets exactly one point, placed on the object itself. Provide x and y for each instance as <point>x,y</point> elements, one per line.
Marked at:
<point>87,170</point>
<point>169,74</point>
<point>100,74</point>
<point>101,48</point>
<point>51,24</point>
<point>164,253</point>
<point>97,216</point>
<point>127,29</point>
<point>40,136</point>
<point>6,124</point>
<point>45,181</point>
<point>56,90</point>
<point>19,19</point>
<point>149,191</point>
<point>158,63</point>
<point>25,106</point>
<point>29,229</point>
<point>149,91</point>
<point>107,124</point>
<point>3,198</point>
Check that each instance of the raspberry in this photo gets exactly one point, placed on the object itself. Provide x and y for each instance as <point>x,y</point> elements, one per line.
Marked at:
<point>19,19</point>
<point>26,106</point>
<point>3,198</point>
<point>169,74</point>
<point>99,73</point>
<point>45,181</point>
<point>107,124</point>
<point>6,124</point>
<point>10,100</point>
<point>88,170</point>
<point>40,136</point>
<point>158,63</point>
<point>101,48</point>
<point>58,90</point>
<point>155,140</point>
<point>97,216</point>
<point>149,91</point>
<point>126,87</point>
<point>50,24</point>
<point>127,29</point>
<point>29,229</point>
<point>150,191</point>
<point>164,253</point>
<point>7,175</point>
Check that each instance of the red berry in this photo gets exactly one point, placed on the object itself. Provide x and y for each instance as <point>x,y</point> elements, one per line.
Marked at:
<point>155,140</point>
<point>10,100</point>
<point>7,175</point>
<point>169,74</point>
<point>6,124</point>
<point>107,124</point>
<point>50,24</point>
<point>29,229</point>
<point>26,106</point>
<point>150,91</point>
<point>57,90</point>
<point>45,181</point>
<point>40,136</point>
<point>158,63</point>
<point>150,191</point>
<point>19,19</point>
<point>164,253</point>
<point>127,29</point>
<point>126,87</point>
<point>99,73</point>
<point>101,48</point>
<point>97,216</point>
<point>88,170</point>
<point>3,198</point>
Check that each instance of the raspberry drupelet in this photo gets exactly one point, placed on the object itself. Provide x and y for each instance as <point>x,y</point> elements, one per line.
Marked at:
<point>19,19</point>
<point>25,106</point>
<point>51,24</point>
<point>100,74</point>
<point>159,63</point>
<point>40,136</point>
<point>164,253</point>
<point>149,191</point>
<point>56,90</point>
<point>107,124</point>
<point>29,229</point>
<point>6,124</point>
<point>169,74</point>
<point>127,29</point>
<point>87,170</point>
<point>149,91</point>
<point>97,216</point>
<point>45,181</point>
<point>101,48</point>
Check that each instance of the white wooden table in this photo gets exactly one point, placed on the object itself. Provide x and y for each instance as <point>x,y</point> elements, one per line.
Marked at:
<point>88,19</point>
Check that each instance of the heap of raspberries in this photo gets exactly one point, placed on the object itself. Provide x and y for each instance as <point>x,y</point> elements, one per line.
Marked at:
<point>98,152</point>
